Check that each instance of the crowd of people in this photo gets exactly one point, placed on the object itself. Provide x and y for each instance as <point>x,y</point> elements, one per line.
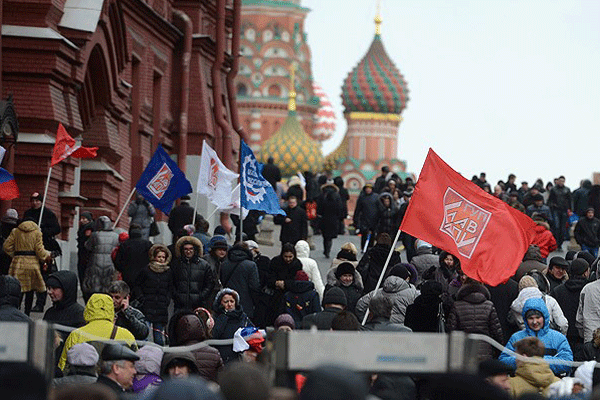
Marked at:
<point>149,308</point>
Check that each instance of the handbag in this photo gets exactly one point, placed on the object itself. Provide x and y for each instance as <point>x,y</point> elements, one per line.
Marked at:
<point>441,321</point>
<point>154,231</point>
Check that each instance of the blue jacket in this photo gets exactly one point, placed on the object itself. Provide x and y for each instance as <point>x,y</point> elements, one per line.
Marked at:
<point>557,346</point>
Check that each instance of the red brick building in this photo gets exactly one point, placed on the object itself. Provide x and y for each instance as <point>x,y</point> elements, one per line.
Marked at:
<point>124,75</point>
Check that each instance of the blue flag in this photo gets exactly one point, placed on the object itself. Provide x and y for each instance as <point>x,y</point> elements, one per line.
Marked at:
<point>256,193</point>
<point>162,182</point>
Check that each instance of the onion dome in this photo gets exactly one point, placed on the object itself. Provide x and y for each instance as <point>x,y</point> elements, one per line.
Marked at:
<point>325,126</point>
<point>291,148</point>
<point>333,158</point>
<point>375,84</point>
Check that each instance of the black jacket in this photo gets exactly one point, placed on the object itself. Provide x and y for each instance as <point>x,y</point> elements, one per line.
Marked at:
<point>10,299</point>
<point>365,213</point>
<point>180,216</point>
<point>560,198</point>
<point>387,217</point>
<point>132,257</point>
<point>226,323</point>
<point>193,279</point>
<point>322,320</point>
<point>301,300</point>
<point>329,210</point>
<point>502,296</point>
<point>422,315</point>
<point>155,292</point>
<point>567,296</point>
<point>134,321</point>
<point>371,265</point>
<point>239,272</point>
<point>272,174</point>
<point>66,311</point>
<point>587,232</point>
<point>83,234</point>
<point>295,230</point>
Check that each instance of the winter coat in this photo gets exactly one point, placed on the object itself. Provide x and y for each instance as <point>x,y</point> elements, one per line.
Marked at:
<point>544,239</point>
<point>49,227</point>
<point>322,320</point>
<point>588,312</point>
<point>587,232</point>
<point>301,300</point>
<point>132,257</point>
<point>382,324</point>
<point>587,352</point>
<point>180,216</point>
<point>531,261</point>
<point>425,259</point>
<point>329,210</point>
<point>365,212</point>
<point>25,246</point>
<point>353,292</point>
<point>371,264</point>
<point>502,296</point>
<point>542,210</point>
<point>557,317</point>
<point>10,300</point>
<point>239,272</point>
<point>155,288</point>
<point>567,297</point>
<point>310,266</point>
<point>272,174</point>
<point>99,314</point>
<point>532,377</point>
<point>83,234</point>
<point>188,331</point>
<point>134,321</point>
<point>557,346</point>
<point>295,230</point>
<point>387,217</point>
<point>77,375</point>
<point>226,324</point>
<point>141,213</point>
<point>473,312</point>
<point>403,294</point>
<point>193,279</point>
<point>100,271</point>
<point>280,271</point>
<point>422,315</point>
<point>66,311</point>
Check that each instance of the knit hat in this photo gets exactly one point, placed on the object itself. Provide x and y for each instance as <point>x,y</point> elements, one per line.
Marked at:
<point>527,281</point>
<point>284,320</point>
<point>586,256</point>
<point>400,271</point>
<point>558,262</point>
<point>54,282</point>
<point>344,268</point>
<point>301,276</point>
<point>335,295</point>
<point>570,255</point>
<point>86,214</point>
<point>82,355</point>
<point>533,312</point>
<point>538,197</point>
<point>10,217</point>
<point>218,242</point>
<point>150,360</point>
<point>431,288</point>
<point>251,244</point>
<point>579,266</point>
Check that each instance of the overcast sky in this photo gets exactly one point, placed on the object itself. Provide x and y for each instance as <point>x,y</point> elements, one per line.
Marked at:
<point>498,86</point>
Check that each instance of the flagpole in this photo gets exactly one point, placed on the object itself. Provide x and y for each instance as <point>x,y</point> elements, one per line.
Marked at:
<point>44,199</point>
<point>123,209</point>
<point>389,257</point>
<point>195,206</point>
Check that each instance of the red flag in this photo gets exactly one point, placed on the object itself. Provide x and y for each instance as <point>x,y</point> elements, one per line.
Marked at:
<point>452,213</point>
<point>66,146</point>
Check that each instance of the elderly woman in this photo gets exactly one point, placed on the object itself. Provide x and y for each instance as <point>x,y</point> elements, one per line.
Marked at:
<point>229,317</point>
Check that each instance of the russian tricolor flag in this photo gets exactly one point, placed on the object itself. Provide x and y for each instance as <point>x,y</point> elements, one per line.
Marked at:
<point>8,186</point>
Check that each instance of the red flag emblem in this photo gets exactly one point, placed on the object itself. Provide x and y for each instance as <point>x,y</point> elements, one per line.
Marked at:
<point>159,184</point>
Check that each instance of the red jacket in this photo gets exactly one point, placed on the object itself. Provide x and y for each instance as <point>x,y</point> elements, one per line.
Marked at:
<point>544,239</point>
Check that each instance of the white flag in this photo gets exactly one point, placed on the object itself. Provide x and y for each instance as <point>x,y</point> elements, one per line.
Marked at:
<point>234,206</point>
<point>214,179</point>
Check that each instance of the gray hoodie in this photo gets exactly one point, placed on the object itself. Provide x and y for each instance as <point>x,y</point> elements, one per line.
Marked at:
<point>402,292</point>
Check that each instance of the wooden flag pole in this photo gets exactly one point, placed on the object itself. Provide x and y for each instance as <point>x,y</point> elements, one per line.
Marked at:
<point>123,209</point>
<point>44,199</point>
<point>389,257</point>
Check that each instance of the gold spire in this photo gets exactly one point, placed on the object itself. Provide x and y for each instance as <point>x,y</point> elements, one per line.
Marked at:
<point>292,95</point>
<point>378,19</point>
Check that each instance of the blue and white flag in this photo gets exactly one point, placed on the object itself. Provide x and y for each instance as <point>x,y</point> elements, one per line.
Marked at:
<point>256,193</point>
<point>162,182</point>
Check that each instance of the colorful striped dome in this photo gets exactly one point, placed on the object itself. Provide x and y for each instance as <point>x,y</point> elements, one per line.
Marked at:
<point>325,126</point>
<point>375,84</point>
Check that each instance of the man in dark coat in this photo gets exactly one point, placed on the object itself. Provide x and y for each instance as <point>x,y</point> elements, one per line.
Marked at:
<point>365,214</point>
<point>381,180</point>
<point>271,173</point>
<point>50,228</point>
<point>192,276</point>
<point>62,289</point>
<point>117,368</point>
<point>502,296</point>
<point>239,272</point>
<point>559,202</point>
<point>126,316</point>
<point>531,261</point>
<point>294,225</point>
<point>86,227</point>
<point>587,232</point>
<point>133,256</point>
<point>10,300</point>
<point>567,296</point>
<point>329,210</point>
<point>581,198</point>
<point>181,215</point>
<point>334,301</point>
<point>371,264</point>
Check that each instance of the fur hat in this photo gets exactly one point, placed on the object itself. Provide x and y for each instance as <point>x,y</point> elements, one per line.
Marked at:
<point>527,281</point>
<point>335,295</point>
<point>344,268</point>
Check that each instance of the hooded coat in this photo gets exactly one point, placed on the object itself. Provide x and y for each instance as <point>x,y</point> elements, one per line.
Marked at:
<point>100,271</point>
<point>544,239</point>
<point>329,210</point>
<point>557,318</point>
<point>169,357</point>
<point>99,314</point>
<point>531,261</point>
<point>66,311</point>
<point>473,312</point>
<point>132,257</point>
<point>227,322</point>
<point>387,217</point>
<point>26,247</point>
<point>310,266</point>
<point>424,259</point>
<point>239,272</point>
<point>532,377</point>
<point>148,370</point>
<point>141,213</point>
<point>10,300</point>
<point>567,297</point>
<point>155,288</point>
<point>372,262</point>
<point>186,330</point>
<point>193,278</point>
<point>403,293</point>
<point>422,315</point>
<point>557,346</point>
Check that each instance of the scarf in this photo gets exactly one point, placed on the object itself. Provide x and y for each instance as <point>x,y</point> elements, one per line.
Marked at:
<point>158,267</point>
